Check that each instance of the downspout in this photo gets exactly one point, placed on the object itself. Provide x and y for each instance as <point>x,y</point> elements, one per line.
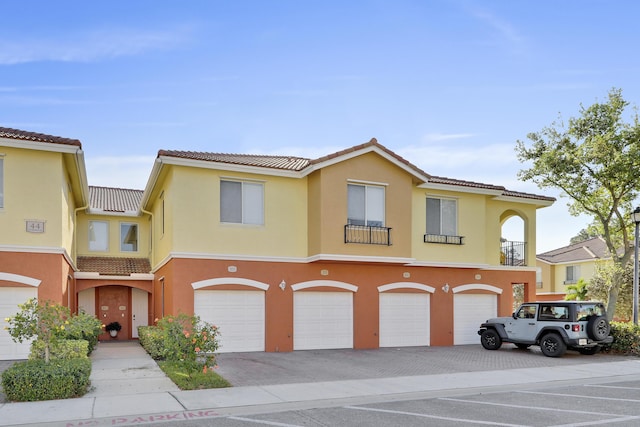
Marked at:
<point>150,235</point>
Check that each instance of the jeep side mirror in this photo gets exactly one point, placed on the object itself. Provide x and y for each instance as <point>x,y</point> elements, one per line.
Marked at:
<point>514,315</point>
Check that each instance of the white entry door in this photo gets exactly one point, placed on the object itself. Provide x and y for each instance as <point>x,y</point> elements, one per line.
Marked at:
<point>469,311</point>
<point>240,315</point>
<point>9,300</point>
<point>322,320</point>
<point>139,310</point>
<point>404,319</point>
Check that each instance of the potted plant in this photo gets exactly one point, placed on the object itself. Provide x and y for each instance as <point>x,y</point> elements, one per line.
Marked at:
<point>113,328</point>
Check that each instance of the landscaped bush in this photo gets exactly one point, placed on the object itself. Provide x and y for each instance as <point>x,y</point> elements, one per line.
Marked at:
<point>187,338</point>
<point>37,380</point>
<point>626,338</point>
<point>151,339</point>
<point>83,326</point>
<point>60,349</point>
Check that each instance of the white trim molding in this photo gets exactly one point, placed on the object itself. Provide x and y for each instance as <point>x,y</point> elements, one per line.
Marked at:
<point>406,285</point>
<point>328,283</point>
<point>229,281</point>
<point>88,275</point>
<point>478,287</point>
<point>10,277</point>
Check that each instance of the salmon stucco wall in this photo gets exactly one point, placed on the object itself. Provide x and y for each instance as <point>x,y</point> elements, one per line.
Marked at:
<point>180,274</point>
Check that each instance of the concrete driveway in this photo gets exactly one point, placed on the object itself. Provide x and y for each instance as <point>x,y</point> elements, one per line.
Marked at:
<point>247,369</point>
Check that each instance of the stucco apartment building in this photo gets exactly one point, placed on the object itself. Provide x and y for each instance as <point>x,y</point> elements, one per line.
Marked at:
<point>357,249</point>
<point>564,266</point>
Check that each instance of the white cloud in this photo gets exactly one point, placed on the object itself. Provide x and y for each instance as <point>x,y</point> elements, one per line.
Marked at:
<point>90,47</point>
<point>120,172</point>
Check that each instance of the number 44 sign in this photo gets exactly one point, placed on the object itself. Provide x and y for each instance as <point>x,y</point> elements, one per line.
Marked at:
<point>35,226</point>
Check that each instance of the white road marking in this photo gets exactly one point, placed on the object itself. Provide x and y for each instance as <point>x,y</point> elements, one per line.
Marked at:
<point>537,408</point>
<point>612,386</point>
<point>414,414</point>
<point>268,423</point>
<point>579,395</point>
<point>598,423</point>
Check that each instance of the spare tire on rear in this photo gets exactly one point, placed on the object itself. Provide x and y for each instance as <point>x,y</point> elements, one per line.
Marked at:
<point>598,328</point>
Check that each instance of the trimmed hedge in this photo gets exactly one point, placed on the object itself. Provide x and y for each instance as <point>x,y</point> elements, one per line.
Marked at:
<point>151,338</point>
<point>61,349</point>
<point>37,380</point>
<point>626,338</point>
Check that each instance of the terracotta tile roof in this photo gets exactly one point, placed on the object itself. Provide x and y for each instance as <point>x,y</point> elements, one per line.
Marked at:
<point>114,199</point>
<point>299,164</point>
<point>37,137</point>
<point>113,266</point>
<point>274,162</point>
<point>592,249</point>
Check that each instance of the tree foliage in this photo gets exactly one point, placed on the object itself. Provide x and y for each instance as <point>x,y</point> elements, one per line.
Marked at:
<point>577,291</point>
<point>601,281</point>
<point>595,161</point>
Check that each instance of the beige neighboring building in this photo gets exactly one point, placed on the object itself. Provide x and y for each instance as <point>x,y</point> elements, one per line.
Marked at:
<point>565,266</point>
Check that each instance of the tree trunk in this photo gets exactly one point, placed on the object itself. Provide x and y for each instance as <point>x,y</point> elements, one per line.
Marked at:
<point>616,281</point>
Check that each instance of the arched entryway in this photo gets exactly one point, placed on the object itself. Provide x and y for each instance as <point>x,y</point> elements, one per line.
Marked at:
<point>127,305</point>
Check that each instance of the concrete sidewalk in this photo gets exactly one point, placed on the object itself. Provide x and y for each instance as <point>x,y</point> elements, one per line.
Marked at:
<point>129,388</point>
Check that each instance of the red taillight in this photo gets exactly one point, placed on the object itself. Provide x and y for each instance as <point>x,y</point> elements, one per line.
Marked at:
<point>575,328</point>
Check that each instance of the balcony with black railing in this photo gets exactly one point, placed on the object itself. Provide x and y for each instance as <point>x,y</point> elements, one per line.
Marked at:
<point>367,234</point>
<point>444,239</point>
<point>513,253</point>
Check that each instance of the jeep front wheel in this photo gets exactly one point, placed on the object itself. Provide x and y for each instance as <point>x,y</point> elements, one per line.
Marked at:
<point>552,345</point>
<point>598,328</point>
<point>490,339</point>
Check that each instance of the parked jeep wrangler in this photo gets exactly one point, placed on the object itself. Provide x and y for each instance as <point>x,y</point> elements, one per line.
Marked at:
<point>554,326</point>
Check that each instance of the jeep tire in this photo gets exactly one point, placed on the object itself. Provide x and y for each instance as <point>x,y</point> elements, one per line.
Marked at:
<point>490,339</point>
<point>552,345</point>
<point>598,328</point>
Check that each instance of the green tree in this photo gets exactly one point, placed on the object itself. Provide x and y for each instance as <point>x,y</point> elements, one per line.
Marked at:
<point>45,321</point>
<point>595,162</point>
<point>584,235</point>
<point>600,283</point>
<point>577,291</point>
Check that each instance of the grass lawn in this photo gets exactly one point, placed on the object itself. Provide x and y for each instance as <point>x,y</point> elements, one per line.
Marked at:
<point>190,376</point>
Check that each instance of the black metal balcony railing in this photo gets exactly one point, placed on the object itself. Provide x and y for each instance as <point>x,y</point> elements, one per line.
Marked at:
<point>442,238</point>
<point>513,253</point>
<point>367,234</point>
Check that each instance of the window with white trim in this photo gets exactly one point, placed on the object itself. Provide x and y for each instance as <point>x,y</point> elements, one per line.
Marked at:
<point>98,236</point>
<point>242,202</point>
<point>572,274</point>
<point>442,216</point>
<point>365,205</point>
<point>128,237</point>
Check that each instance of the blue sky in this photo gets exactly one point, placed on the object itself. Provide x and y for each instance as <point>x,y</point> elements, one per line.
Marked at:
<point>449,85</point>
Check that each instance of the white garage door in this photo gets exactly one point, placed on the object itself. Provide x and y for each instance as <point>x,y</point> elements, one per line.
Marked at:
<point>322,320</point>
<point>238,314</point>
<point>9,300</point>
<point>404,319</point>
<point>469,311</point>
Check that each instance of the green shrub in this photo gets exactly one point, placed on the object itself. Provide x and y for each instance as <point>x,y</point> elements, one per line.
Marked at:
<point>626,338</point>
<point>187,338</point>
<point>152,340</point>
<point>84,326</point>
<point>37,380</point>
<point>60,349</point>
<point>191,375</point>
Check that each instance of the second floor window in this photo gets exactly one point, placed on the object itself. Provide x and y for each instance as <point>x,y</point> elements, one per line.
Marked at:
<point>365,205</point>
<point>442,216</point>
<point>242,202</point>
<point>128,237</point>
<point>573,274</point>
<point>98,236</point>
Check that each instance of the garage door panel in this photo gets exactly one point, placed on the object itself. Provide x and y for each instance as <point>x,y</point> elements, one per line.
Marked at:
<point>10,297</point>
<point>322,320</point>
<point>404,319</point>
<point>240,315</point>
<point>469,311</point>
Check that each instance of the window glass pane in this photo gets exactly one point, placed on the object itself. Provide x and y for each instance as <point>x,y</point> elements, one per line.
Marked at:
<point>433,216</point>
<point>230,201</point>
<point>1,183</point>
<point>375,206</point>
<point>98,236</point>
<point>252,203</point>
<point>129,237</point>
<point>355,204</point>
<point>448,219</point>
